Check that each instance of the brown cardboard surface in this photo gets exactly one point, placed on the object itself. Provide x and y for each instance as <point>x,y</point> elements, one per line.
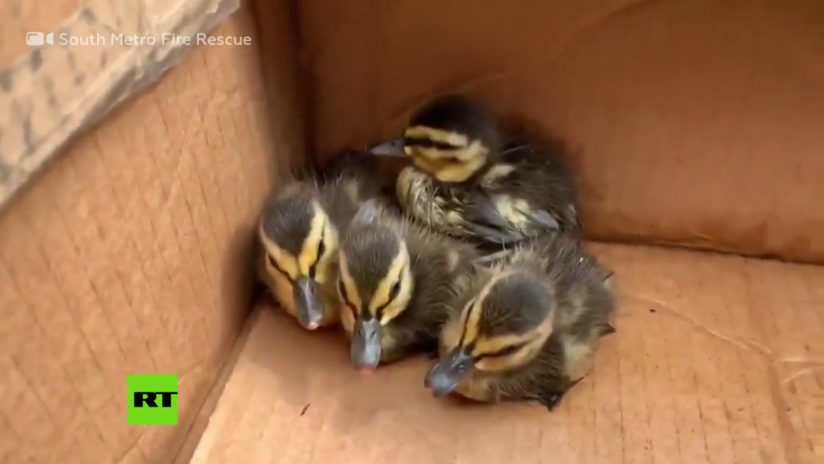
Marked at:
<point>129,252</point>
<point>717,359</point>
<point>697,121</point>
<point>699,124</point>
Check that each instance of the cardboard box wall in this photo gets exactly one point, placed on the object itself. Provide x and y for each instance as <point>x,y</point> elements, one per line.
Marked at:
<point>127,252</point>
<point>695,120</point>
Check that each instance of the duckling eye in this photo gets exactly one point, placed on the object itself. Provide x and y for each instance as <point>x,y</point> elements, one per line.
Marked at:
<point>318,256</point>
<point>428,143</point>
<point>445,146</point>
<point>395,290</point>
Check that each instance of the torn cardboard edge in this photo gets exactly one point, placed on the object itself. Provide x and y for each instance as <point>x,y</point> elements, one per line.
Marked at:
<point>57,91</point>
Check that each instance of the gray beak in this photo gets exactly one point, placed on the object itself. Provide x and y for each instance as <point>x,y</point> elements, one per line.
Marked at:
<point>392,148</point>
<point>308,304</point>
<point>366,344</point>
<point>445,376</point>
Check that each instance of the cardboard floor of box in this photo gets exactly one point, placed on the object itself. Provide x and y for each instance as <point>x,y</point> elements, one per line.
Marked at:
<point>714,362</point>
<point>136,190</point>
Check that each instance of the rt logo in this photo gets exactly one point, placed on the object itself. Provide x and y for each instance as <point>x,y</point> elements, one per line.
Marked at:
<point>152,399</point>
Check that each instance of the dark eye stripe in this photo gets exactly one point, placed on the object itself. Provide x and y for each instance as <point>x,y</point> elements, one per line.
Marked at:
<point>318,256</point>
<point>342,291</point>
<point>279,269</point>
<point>423,142</point>
<point>345,296</point>
<point>394,291</point>
<point>393,294</point>
<point>505,351</point>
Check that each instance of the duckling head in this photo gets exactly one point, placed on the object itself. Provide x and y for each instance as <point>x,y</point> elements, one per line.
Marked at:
<point>375,283</point>
<point>502,327</point>
<point>450,138</point>
<point>300,241</point>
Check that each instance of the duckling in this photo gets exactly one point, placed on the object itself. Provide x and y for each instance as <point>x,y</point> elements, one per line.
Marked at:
<point>528,328</point>
<point>299,232</point>
<point>471,180</point>
<point>395,281</point>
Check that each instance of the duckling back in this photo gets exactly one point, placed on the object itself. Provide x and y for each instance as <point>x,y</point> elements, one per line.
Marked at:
<point>348,182</point>
<point>440,264</point>
<point>535,172</point>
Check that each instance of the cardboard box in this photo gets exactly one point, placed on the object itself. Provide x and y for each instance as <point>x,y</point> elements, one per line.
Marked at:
<point>133,167</point>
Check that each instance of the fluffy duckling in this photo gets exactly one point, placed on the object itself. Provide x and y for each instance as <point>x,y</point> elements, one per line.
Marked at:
<point>527,329</point>
<point>299,232</point>
<point>395,282</point>
<point>471,180</point>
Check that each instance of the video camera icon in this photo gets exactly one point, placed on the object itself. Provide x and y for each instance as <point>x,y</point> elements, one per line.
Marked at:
<point>37,39</point>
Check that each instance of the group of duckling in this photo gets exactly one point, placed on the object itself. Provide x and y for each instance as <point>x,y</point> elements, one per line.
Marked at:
<point>476,260</point>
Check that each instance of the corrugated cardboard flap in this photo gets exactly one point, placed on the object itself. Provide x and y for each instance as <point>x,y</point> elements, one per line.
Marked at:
<point>106,52</point>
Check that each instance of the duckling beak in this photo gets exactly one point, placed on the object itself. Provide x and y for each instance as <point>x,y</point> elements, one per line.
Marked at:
<point>365,351</point>
<point>308,304</point>
<point>445,376</point>
<point>392,148</point>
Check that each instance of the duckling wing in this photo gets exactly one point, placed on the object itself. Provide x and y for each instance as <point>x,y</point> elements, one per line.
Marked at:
<point>539,176</point>
<point>493,219</point>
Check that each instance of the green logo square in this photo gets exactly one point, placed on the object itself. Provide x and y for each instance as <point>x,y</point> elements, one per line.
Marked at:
<point>152,399</point>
